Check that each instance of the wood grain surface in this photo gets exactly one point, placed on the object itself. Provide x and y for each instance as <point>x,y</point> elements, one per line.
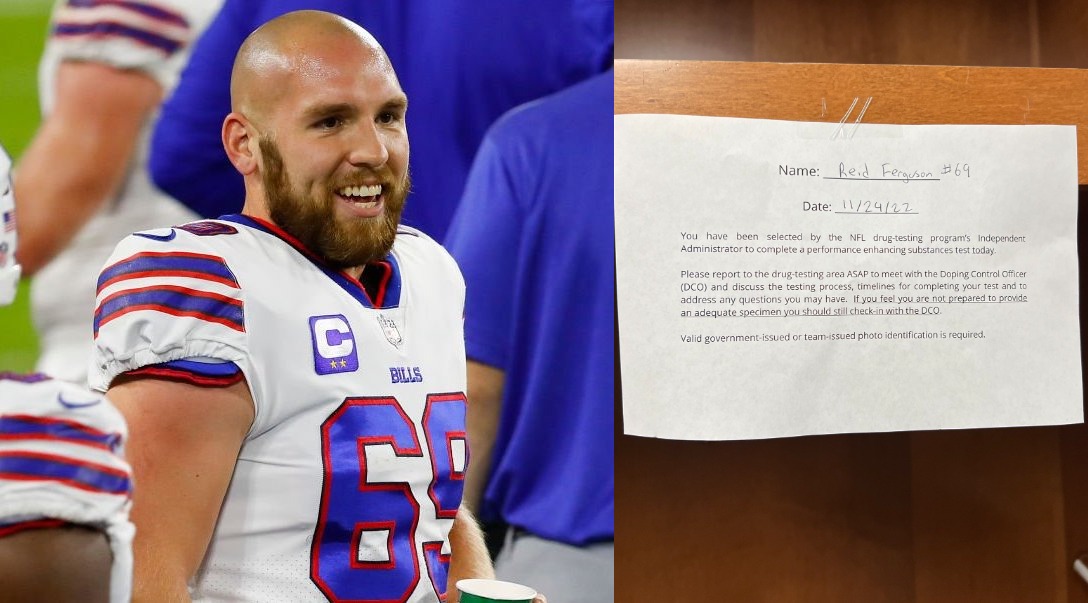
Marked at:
<point>908,94</point>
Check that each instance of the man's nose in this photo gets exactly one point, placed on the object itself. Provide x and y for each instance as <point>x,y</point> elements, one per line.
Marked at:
<point>368,146</point>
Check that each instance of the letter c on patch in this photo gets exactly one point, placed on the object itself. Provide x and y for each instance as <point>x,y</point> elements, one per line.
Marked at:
<point>334,345</point>
<point>333,337</point>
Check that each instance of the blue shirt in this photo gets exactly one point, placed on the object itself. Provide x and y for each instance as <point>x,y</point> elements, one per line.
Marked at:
<point>534,237</point>
<point>462,64</point>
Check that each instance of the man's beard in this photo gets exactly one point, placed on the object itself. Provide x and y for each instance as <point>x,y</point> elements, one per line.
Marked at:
<point>341,244</point>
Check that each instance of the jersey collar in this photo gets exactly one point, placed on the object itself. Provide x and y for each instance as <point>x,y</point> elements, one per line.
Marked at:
<point>389,283</point>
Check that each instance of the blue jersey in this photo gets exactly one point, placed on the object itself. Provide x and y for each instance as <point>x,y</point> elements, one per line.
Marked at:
<point>462,64</point>
<point>535,241</point>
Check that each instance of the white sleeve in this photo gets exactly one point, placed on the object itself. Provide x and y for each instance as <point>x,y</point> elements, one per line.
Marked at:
<point>148,35</point>
<point>161,301</point>
<point>62,458</point>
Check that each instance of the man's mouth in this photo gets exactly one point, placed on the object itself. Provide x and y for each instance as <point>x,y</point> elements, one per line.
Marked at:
<point>364,199</point>
<point>363,194</point>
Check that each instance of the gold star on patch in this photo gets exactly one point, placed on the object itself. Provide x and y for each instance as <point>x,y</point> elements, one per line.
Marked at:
<point>343,364</point>
<point>332,364</point>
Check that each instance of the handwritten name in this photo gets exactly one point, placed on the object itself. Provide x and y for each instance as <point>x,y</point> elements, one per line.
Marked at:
<point>887,172</point>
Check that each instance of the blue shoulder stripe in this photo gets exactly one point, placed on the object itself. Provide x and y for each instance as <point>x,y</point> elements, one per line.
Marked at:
<point>108,29</point>
<point>24,427</point>
<point>24,377</point>
<point>176,264</point>
<point>148,10</point>
<point>30,466</point>
<point>176,301</point>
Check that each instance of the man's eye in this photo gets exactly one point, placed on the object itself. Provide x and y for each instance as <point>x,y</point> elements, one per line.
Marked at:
<point>388,118</point>
<point>330,122</point>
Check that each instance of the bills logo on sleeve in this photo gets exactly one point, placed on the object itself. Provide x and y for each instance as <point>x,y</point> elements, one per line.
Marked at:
<point>208,228</point>
<point>334,345</point>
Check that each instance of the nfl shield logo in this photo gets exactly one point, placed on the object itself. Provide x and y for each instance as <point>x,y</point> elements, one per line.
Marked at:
<point>389,328</point>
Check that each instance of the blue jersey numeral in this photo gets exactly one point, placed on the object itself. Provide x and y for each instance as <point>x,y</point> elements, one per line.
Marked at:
<point>365,541</point>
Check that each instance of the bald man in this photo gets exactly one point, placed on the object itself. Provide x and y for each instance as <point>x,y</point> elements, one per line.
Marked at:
<point>293,376</point>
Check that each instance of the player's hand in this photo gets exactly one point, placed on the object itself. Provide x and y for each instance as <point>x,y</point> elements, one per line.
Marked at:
<point>539,598</point>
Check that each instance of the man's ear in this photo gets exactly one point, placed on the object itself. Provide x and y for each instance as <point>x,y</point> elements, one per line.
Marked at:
<point>240,142</point>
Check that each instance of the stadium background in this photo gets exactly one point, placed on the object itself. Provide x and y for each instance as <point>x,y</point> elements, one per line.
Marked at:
<point>23,26</point>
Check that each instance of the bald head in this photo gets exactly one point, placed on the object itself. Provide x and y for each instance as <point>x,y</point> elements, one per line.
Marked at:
<point>318,119</point>
<point>293,46</point>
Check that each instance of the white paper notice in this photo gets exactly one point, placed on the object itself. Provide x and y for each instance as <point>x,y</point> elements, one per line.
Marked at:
<point>776,281</point>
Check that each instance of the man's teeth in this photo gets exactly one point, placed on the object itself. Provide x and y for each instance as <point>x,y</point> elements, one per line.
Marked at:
<point>372,190</point>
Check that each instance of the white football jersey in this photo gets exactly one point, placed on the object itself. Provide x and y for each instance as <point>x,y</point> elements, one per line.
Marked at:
<point>152,36</point>
<point>349,478</point>
<point>62,460</point>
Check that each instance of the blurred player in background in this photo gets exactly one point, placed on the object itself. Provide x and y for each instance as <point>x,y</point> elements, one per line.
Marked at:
<point>533,236</point>
<point>65,489</point>
<point>463,64</point>
<point>82,185</point>
<point>293,376</point>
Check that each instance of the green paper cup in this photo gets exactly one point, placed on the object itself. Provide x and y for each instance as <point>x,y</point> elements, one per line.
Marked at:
<point>478,590</point>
